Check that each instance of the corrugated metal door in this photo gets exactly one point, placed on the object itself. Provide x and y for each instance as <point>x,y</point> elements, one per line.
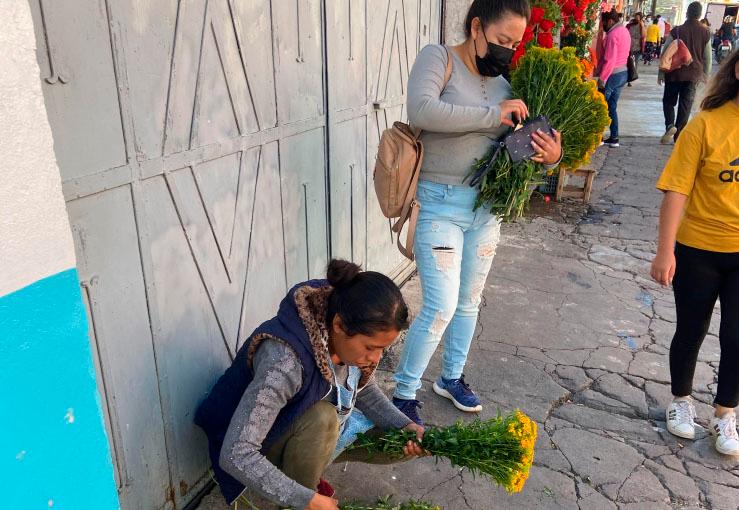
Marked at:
<point>202,144</point>
<point>371,46</point>
<point>396,31</point>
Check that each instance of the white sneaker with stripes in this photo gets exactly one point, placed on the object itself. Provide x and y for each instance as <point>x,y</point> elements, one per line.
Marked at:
<point>680,416</point>
<point>724,430</point>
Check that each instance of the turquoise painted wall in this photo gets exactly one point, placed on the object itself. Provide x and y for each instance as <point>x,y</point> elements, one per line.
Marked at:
<point>54,452</point>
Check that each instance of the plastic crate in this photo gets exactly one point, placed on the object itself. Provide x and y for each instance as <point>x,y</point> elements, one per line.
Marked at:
<point>549,187</point>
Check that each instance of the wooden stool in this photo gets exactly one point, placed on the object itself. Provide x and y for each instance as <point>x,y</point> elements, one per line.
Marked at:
<point>568,191</point>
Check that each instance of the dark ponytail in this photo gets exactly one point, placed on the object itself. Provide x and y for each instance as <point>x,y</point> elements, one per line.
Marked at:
<point>366,301</point>
<point>490,11</point>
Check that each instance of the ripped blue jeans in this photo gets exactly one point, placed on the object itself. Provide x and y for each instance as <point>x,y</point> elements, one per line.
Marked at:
<point>454,247</point>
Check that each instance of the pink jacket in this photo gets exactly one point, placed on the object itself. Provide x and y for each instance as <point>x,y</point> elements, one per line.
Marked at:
<point>615,52</point>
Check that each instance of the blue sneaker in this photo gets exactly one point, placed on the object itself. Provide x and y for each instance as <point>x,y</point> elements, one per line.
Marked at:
<point>459,393</point>
<point>409,408</point>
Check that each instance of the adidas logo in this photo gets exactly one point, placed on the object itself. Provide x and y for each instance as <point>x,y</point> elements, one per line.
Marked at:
<point>729,175</point>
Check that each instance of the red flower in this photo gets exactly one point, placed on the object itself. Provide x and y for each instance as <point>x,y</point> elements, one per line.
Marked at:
<point>579,14</point>
<point>545,40</point>
<point>537,14</point>
<point>546,25</point>
<point>520,52</point>
<point>569,7</point>
<point>527,36</point>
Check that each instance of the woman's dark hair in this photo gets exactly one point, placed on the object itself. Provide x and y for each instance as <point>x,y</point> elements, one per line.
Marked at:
<point>611,15</point>
<point>490,11</point>
<point>724,86</point>
<point>366,301</point>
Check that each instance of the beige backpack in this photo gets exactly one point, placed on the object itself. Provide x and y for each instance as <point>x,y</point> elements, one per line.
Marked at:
<point>398,165</point>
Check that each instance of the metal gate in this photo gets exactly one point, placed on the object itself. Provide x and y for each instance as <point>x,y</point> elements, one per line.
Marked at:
<point>213,153</point>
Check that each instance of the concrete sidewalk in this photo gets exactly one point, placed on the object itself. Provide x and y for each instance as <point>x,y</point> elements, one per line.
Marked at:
<point>573,332</point>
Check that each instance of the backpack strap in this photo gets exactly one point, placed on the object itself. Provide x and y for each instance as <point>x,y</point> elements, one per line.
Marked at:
<point>447,77</point>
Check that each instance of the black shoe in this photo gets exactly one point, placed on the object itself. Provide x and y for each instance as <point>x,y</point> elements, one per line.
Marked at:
<point>612,142</point>
<point>409,408</point>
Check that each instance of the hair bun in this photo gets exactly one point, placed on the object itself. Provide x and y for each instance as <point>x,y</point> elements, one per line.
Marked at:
<point>341,273</point>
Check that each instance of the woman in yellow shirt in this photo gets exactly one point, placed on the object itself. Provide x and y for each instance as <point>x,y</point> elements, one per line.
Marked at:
<point>699,247</point>
<point>652,43</point>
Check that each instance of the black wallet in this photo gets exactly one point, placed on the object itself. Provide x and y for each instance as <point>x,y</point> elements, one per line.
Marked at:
<point>517,143</point>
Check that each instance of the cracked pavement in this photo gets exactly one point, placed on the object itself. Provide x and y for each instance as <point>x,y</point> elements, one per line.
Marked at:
<point>573,331</point>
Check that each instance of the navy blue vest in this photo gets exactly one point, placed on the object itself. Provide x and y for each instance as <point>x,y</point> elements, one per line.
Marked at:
<point>215,412</point>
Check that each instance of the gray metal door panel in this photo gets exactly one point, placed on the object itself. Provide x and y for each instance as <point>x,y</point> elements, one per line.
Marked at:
<point>347,102</point>
<point>349,191</point>
<point>147,29</point>
<point>394,40</point>
<point>189,345</point>
<point>79,85</point>
<point>253,28</point>
<point>265,282</point>
<point>109,265</point>
<point>192,141</point>
<point>387,69</point>
<point>298,47</point>
<point>185,62</point>
<point>303,162</point>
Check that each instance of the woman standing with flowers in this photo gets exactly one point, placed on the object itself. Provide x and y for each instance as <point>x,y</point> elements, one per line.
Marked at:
<point>699,247</point>
<point>611,71</point>
<point>454,243</point>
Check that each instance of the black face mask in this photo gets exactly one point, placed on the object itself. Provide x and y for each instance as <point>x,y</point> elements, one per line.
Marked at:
<point>496,61</point>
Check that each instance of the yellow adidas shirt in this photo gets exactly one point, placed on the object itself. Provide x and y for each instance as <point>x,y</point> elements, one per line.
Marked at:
<point>653,33</point>
<point>705,166</point>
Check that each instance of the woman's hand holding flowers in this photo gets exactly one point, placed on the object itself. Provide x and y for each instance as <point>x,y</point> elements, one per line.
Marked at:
<point>548,148</point>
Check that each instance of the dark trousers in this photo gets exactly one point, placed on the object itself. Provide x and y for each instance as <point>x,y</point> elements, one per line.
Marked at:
<point>682,94</point>
<point>702,277</point>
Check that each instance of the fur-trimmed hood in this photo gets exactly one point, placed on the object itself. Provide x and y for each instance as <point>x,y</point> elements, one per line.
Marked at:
<point>310,301</point>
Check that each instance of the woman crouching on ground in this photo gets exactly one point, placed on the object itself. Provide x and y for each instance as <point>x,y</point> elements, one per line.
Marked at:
<point>699,246</point>
<point>302,386</point>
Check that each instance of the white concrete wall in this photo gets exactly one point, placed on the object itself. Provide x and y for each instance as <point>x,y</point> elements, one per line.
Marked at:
<point>454,13</point>
<point>35,238</point>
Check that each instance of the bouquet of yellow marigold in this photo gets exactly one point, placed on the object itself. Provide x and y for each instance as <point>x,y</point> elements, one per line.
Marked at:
<point>551,83</point>
<point>501,449</point>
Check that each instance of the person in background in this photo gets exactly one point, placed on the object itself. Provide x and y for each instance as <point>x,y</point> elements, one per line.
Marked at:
<point>454,243</point>
<point>668,28</point>
<point>681,84</point>
<point>652,42</point>
<point>638,33</point>
<point>661,26</point>
<point>706,23</point>
<point>611,71</point>
<point>302,386</point>
<point>698,253</point>
<point>727,32</point>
